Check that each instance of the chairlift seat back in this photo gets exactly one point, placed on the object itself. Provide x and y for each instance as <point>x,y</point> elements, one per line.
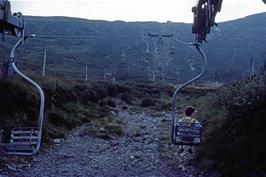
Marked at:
<point>188,135</point>
<point>20,135</point>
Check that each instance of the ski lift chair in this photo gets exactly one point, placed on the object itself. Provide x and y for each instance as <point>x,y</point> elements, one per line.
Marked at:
<point>181,133</point>
<point>204,16</point>
<point>23,140</point>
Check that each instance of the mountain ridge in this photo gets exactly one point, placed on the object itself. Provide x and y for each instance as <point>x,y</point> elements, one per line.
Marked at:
<point>227,63</point>
<point>80,18</point>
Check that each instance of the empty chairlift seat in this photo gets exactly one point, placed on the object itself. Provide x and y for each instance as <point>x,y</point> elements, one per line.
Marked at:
<point>22,140</point>
<point>25,141</point>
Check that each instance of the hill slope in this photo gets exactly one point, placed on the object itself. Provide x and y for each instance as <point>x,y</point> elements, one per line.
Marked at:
<point>230,48</point>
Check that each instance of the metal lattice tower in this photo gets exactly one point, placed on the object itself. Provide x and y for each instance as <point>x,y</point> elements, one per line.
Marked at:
<point>161,56</point>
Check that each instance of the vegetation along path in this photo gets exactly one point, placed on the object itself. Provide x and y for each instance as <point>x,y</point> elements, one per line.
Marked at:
<point>137,153</point>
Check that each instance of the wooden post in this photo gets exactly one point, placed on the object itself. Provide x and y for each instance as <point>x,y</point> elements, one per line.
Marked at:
<point>86,74</point>
<point>44,64</point>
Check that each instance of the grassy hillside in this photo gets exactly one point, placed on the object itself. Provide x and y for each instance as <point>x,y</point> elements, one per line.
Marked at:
<point>240,40</point>
<point>232,117</point>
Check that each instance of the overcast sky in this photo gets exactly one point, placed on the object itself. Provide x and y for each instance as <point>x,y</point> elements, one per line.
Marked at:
<point>134,10</point>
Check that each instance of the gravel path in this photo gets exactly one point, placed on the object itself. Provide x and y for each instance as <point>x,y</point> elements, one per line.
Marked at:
<point>136,153</point>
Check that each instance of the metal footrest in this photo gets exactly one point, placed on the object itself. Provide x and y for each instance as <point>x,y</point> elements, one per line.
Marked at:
<point>18,146</point>
<point>187,141</point>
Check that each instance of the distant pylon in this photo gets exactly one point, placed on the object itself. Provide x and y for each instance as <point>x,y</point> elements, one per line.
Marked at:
<point>159,38</point>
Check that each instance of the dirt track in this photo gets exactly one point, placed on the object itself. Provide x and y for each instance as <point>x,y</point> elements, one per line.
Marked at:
<point>139,152</point>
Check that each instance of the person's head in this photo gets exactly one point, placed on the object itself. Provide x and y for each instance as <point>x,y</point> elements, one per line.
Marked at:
<point>189,111</point>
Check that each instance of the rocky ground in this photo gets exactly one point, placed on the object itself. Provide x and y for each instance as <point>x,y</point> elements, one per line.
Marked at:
<point>142,150</point>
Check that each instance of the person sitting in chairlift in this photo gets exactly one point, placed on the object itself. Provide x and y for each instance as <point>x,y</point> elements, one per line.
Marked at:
<point>188,120</point>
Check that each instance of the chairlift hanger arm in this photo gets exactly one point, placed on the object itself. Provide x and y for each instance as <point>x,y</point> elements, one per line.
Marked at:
<point>41,106</point>
<point>203,55</point>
